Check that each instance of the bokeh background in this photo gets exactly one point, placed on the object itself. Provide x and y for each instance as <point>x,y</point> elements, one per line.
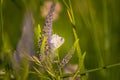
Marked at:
<point>97,25</point>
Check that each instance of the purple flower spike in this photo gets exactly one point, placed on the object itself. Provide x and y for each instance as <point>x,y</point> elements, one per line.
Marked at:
<point>47,30</point>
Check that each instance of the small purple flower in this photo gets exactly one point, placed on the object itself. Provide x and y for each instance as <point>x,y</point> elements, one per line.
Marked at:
<point>47,30</point>
<point>53,40</point>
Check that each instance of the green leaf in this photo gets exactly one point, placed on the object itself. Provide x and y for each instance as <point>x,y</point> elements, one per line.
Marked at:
<point>80,66</point>
<point>38,31</point>
<point>40,74</point>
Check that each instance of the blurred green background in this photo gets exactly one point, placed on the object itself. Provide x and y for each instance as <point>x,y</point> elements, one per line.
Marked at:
<point>97,25</point>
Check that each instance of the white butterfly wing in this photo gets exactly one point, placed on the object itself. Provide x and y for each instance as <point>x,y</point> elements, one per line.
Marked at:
<point>57,41</point>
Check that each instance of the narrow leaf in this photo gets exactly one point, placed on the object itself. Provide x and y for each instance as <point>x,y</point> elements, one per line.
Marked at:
<point>79,68</point>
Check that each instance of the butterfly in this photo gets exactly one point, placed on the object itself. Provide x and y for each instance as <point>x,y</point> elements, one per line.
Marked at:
<point>57,41</point>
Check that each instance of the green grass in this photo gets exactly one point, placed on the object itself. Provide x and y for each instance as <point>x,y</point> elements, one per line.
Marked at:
<point>91,32</point>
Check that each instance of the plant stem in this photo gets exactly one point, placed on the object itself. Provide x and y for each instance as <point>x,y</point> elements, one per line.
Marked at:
<point>92,70</point>
<point>1,19</point>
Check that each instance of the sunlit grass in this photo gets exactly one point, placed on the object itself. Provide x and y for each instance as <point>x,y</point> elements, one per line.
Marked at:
<point>93,51</point>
